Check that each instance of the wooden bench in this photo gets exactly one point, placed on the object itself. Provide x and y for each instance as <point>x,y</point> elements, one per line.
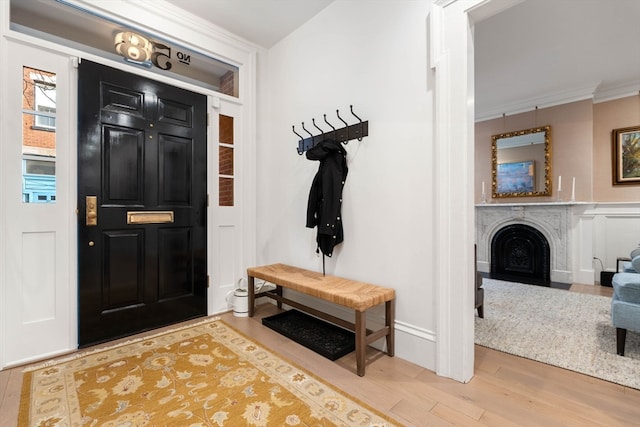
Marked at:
<point>348,293</point>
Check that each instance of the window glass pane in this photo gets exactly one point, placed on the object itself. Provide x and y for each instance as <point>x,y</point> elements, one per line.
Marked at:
<point>226,191</point>
<point>226,161</point>
<point>40,167</point>
<point>38,136</point>
<point>45,122</point>
<point>226,129</point>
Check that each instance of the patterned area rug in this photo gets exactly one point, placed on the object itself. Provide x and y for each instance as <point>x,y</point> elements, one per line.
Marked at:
<point>203,375</point>
<point>557,327</point>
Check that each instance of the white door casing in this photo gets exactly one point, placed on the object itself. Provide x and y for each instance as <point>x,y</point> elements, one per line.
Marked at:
<point>40,298</point>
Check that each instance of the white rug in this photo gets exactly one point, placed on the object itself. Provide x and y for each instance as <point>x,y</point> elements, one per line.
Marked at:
<point>557,327</point>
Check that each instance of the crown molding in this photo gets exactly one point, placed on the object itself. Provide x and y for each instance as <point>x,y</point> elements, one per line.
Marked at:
<point>616,92</point>
<point>595,92</point>
<point>545,101</point>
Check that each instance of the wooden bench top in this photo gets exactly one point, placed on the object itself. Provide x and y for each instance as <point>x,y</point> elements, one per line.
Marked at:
<point>349,293</point>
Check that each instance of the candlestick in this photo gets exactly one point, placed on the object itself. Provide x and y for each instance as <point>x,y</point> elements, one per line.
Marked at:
<point>573,189</point>
<point>560,183</point>
<point>484,195</point>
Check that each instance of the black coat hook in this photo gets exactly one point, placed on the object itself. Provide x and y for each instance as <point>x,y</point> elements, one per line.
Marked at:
<point>333,130</point>
<point>359,119</point>
<point>294,131</point>
<point>314,123</point>
<point>301,140</point>
<point>325,120</point>
<point>346,128</point>
<point>338,114</point>
<point>305,129</point>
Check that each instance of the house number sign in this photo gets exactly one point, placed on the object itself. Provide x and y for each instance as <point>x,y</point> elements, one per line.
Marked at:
<point>139,49</point>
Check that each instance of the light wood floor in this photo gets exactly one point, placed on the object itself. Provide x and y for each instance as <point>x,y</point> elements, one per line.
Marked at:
<point>505,391</point>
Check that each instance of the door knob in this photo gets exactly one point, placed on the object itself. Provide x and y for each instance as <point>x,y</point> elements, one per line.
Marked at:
<point>91,219</point>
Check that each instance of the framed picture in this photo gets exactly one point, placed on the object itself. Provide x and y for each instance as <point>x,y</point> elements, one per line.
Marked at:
<point>626,156</point>
<point>516,177</point>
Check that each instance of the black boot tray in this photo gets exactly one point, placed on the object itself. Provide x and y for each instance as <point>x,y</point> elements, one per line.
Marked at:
<point>324,338</point>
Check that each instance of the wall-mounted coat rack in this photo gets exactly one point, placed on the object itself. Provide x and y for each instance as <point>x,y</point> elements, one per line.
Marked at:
<point>344,134</point>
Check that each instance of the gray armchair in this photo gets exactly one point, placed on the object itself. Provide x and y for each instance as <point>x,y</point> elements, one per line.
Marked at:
<point>625,305</point>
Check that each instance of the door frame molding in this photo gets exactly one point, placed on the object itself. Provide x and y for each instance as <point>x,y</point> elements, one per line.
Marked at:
<point>195,35</point>
<point>451,50</point>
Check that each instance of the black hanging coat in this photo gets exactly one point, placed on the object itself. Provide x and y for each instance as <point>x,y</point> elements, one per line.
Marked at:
<point>325,197</point>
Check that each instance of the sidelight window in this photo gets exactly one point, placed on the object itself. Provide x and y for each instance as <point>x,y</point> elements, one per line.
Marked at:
<point>38,136</point>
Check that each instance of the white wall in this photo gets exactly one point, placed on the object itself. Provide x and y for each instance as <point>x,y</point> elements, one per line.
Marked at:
<point>375,58</point>
<point>613,230</point>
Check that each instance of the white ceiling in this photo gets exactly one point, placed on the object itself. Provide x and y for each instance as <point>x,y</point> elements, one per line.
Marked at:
<point>537,53</point>
<point>262,22</point>
<point>548,52</point>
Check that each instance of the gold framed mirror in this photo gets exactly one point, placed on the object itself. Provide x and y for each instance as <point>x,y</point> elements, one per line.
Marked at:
<point>521,163</point>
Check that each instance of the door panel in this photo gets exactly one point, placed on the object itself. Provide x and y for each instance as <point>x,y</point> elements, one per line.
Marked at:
<point>123,166</point>
<point>123,264</point>
<point>175,173</point>
<point>142,153</point>
<point>175,262</point>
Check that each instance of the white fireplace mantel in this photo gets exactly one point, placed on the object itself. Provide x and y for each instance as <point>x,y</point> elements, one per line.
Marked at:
<point>585,237</point>
<point>556,221</point>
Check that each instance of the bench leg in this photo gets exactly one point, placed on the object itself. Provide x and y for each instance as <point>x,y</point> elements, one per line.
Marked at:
<point>390,315</point>
<point>279,293</point>
<point>252,295</point>
<point>361,341</point>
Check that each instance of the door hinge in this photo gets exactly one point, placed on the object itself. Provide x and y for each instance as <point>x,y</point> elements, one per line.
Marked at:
<point>207,199</point>
<point>208,281</point>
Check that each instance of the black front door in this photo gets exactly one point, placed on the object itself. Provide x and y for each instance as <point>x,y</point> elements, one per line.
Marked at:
<point>141,204</point>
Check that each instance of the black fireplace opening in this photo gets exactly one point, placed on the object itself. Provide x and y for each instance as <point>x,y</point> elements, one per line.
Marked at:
<point>521,253</point>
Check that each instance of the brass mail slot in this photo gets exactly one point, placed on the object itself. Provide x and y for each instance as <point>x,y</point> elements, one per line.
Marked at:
<point>150,217</point>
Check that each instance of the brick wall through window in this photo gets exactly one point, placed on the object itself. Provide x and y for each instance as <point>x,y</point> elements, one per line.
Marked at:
<point>225,161</point>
